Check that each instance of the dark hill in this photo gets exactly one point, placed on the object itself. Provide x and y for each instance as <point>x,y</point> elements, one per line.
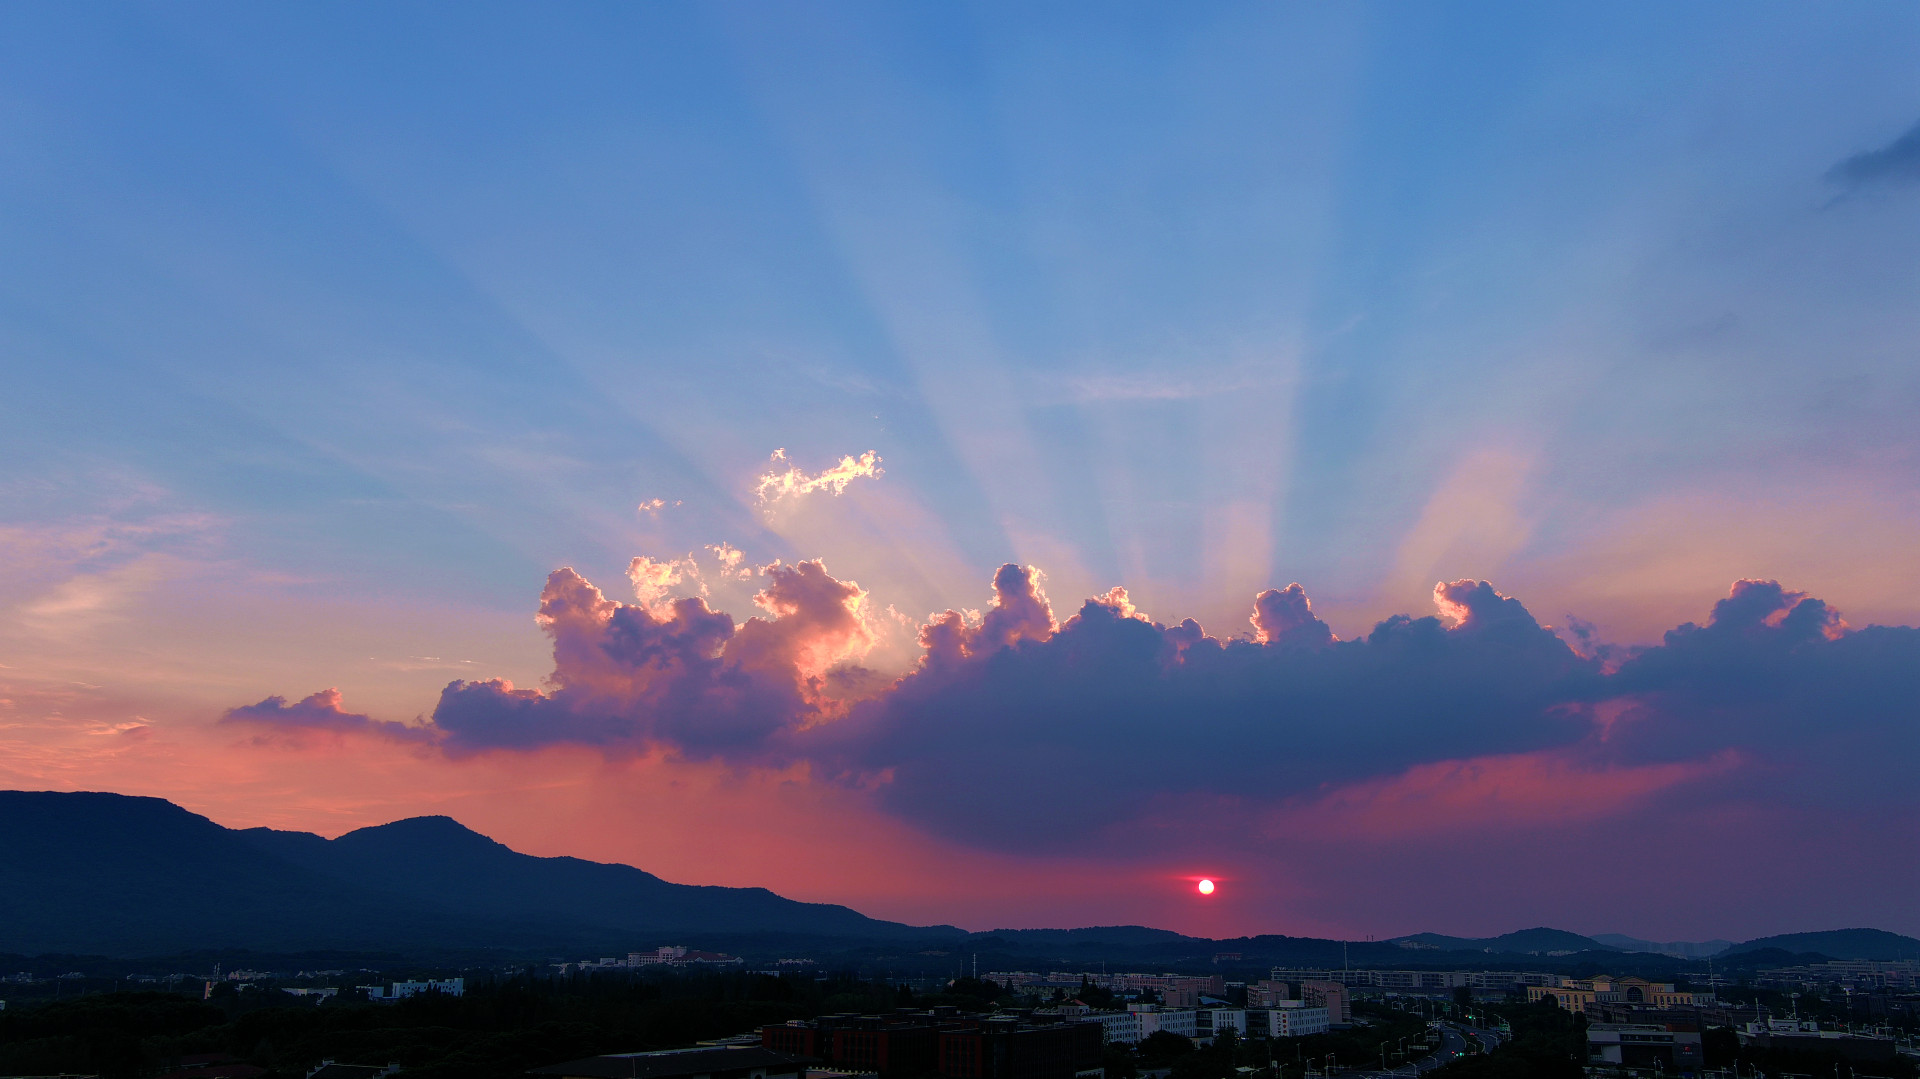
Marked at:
<point>117,875</point>
<point>1539,941</point>
<point>440,861</point>
<point>1874,944</point>
<point>112,874</point>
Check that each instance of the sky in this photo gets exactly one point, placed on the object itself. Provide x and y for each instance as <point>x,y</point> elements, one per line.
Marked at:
<point>1424,468</point>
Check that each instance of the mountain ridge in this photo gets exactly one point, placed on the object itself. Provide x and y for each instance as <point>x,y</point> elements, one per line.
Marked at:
<point>112,874</point>
<point>96,872</point>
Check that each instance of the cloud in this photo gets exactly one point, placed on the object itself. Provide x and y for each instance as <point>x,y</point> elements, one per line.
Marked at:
<point>1779,675</point>
<point>654,580</point>
<point>322,711</point>
<point>1285,616</point>
<point>1112,711</point>
<point>1112,732</point>
<point>730,559</point>
<point>1898,162</point>
<point>676,675</point>
<point>791,483</point>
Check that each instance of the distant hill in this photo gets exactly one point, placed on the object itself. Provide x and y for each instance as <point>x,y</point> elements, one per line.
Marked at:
<point>117,875</point>
<point>1680,949</point>
<point>1126,936</point>
<point>439,861</point>
<point>1874,944</point>
<point>1540,941</point>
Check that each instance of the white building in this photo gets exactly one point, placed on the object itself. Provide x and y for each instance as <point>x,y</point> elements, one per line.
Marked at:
<point>1122,1028</point>
<point>451,987</point>
<point>1181,1021</point>
<point>1287,1022</point>
<point>1210,1021</point>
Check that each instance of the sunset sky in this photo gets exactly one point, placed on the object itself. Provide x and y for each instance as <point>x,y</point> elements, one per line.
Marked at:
<point>864,450</point>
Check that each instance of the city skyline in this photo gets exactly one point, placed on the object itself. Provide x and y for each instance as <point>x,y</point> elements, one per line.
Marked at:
<point>999,467</point>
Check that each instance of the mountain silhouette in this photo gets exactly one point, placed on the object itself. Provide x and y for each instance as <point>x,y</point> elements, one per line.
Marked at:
<point>112,874</point>
<point>1874,944</point>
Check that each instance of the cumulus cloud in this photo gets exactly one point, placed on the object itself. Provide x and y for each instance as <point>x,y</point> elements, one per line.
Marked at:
<point>1896,162</point>
<point>1017,730</point>
<point>730,559</point>
<point>321,711</point>
<point>676,675</point>
<point>1111,711</point>
<point>1285,616</point>
<point>788,483</point>
<point>654,580</point>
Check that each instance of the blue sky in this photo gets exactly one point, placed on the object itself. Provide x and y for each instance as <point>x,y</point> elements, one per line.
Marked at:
<point>328,332</point>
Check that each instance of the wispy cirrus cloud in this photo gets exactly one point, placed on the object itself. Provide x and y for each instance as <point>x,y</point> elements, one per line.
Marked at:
<point>788,483</point>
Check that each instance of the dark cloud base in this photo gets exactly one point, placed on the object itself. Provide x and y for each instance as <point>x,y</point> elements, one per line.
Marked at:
<point>1016,731</point>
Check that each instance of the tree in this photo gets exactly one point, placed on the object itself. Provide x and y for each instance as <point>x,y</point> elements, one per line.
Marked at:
<point>1164,1045</point>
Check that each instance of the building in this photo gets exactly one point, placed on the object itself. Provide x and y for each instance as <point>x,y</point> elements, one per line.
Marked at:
<point>1211,1020</point>
<point>944,1042</point>
<point>329,1070</point>
<point>212,1066</point>
<point>1008,1048</point>
<point>1154,1019</point>
<point>1267,992</point>
<point>1287,1022</point>
<point>447,987</point>
<point>901,1044</point>
<point>732,1062</point>
<point>1415,981</point>
<point>1581,995</point>
<point>1853,974</point>
<point>1119,1028</point>
<point>1805,1036</point>
<point>1336,998</point>
<point>1668,1047</point>
<point>670,955</point>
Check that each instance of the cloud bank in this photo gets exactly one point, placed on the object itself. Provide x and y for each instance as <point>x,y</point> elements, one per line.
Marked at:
<point>1896,162</point>
<point>1019,731</point>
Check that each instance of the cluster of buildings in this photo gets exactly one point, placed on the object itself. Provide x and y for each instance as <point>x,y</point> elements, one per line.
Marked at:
<point>673,955</point>
<point>1636,1024</point>
<point>1196,1007</point>
<point>1861,975</point>
<point>446,987</point>
<point>1581,994</point>
<point>945,1042</point>
<point>1420,981</point>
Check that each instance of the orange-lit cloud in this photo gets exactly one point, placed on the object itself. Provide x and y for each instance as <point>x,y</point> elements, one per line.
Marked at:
<point>777,485</point>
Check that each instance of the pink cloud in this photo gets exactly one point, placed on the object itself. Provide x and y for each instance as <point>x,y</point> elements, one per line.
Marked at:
<point>1285,616</point>
<point>1525,792</point>
<point>1110,739</point>
<point>792,483</point>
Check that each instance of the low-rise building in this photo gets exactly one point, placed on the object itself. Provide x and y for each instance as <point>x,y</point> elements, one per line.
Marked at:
<point>446,987</point>
<point>1805,1036</point>
<point>1287,1022</point>
<point>1209,1021</point>
<point>944,1042</point>
<point>1582,994</point>
<point>1267,992</point>
<point>1669,1047</point>
<point>327,1069</point>
<point>1336,998</point>
<point>732,1062</point>
<point>1181,1021</point>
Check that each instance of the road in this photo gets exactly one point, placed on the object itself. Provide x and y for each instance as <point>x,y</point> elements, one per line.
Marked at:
<point>1453,1043</point>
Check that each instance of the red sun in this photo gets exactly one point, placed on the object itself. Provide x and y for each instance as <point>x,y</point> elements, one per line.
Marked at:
<point>1206,887</point>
